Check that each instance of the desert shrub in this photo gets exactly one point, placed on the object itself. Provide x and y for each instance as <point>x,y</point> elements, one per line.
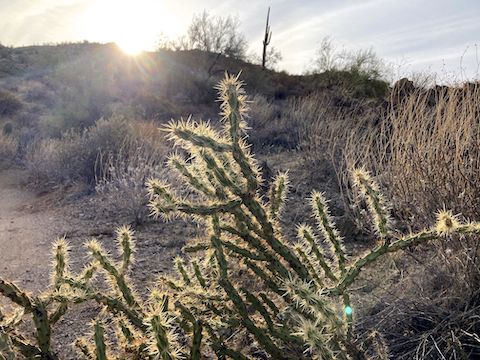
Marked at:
<point>244,291</point>
<point>363,61</point>
<point>73,156</point>
<point>311,123</point>
<point>361,71</point>
<point>355,82</point>
<point>9,103</point>
<point>271,128</point>
<point>7,128</point>
<point>121,175</point>
<point>150,106</point>
<point>51,126</point>
<point>8,148</point>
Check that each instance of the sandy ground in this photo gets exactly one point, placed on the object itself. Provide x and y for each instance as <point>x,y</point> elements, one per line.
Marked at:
<point>29,222</point>
<point>25,234</point>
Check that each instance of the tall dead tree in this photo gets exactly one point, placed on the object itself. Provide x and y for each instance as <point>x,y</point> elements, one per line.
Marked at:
<point>266,40</point>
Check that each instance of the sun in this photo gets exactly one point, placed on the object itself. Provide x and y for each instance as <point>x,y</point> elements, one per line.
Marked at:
<point>134,25</point>
<point>131,45</point>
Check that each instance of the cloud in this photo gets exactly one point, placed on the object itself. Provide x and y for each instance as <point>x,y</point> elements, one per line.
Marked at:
<point>37,22</point>
<point>430,33</point>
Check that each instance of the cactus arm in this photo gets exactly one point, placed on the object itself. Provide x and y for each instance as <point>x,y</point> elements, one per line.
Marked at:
<point>372,256</point>
<point>313,273</point>
<point>99,254</point>
<point>232,97</point>
<point>267,279</point>
<point>326,225</point>
<point>179,265</point>
<point>117,306</point>
<point>58,313</point>
<point>277,332</point>
<point>258,333</point>
<point>7,351</point>
<point>126,247</point>
<point>251,240</point>
<point>239,304</point>
<point>113,304</point>
<point>179,164</point>
<point>186,134</point>
<point>195,351</point>
<point>220,349</point>
<point>11,291</point>
<point>60,249</point>
<point>26,349</point>
<point>376,204</point>
<point>162,338</point>
<point>303,294</point>
<point>243,162</point>
<point>305,233</point>
<point>269,235</point>
<point>277,195</point>
<point>220,174</point>
<point>42,325</point>
<point>266,299</point>
<point>87,273</point>
<point>99,339</point>
<point>208,210</point>
<point>195,209</point>
<point>126,330</point>
<point>242,252</point>
<point>193,248</point>
<point>198,274</point>
<point>348,314</point>
<point>258,306</point>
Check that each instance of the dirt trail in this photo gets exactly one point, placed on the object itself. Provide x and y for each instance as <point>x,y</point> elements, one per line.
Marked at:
<point>25,234</point>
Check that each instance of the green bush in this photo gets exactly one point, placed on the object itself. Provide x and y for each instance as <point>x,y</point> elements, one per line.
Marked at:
<point>9,104</point>
<point>244,291</point>
<point>357,84</point>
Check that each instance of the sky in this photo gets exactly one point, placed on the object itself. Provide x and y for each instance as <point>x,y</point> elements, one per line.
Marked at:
<point>411,36</point>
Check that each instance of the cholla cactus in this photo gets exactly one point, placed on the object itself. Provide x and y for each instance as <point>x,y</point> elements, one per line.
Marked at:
<point>241,281</point>
<point>302,286</point>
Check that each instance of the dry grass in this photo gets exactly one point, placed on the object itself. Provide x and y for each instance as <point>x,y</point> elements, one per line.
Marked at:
<point>427,149</point>
<point>431,311</point>
<point>121,175</point>
<point>8,149</point>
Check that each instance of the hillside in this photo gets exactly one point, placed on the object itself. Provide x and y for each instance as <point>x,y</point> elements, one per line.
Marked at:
<point>80,139</point>
<point>94,79</point>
